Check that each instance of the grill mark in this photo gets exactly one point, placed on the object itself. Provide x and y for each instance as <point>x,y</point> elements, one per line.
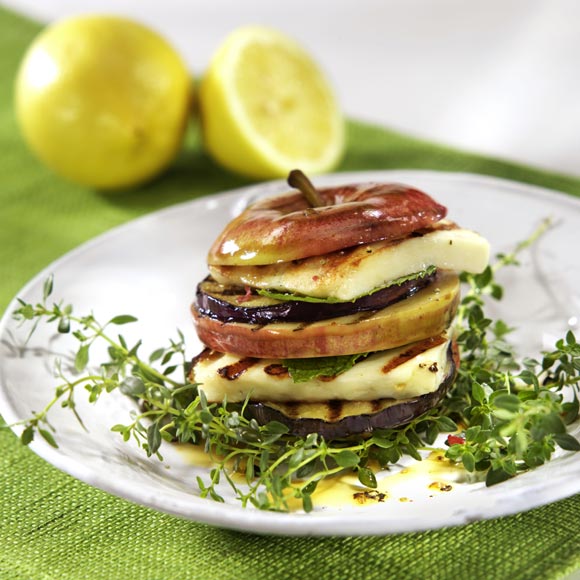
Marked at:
<point>235,370</point>
<point>327,378</point>
<point>445,227</point>
<point>225,290</point>
<point>412,352</point>
<point>276,370</point>
<point>334,409</point>
<point>302,326</point>
<point>207,354</point>
<point>362,316</point>
<point>292,409</point>
<point>375,405</point>
<point>436,227</point>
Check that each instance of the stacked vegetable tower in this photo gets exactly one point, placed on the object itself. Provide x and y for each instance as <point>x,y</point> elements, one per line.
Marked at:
<point>329,310</point>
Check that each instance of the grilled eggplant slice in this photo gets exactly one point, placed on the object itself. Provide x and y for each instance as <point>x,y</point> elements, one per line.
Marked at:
<point>229,303</point>
<point>338,419</point>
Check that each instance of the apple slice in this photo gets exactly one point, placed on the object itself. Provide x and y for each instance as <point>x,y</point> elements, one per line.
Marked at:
<point>286,227</point>
<point>427,313</point>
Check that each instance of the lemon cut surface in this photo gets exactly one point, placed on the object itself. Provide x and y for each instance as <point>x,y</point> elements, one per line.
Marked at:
<point>267,108</point>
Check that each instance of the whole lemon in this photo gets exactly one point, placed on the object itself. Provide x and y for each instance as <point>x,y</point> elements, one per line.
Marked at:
<point>103,101</point>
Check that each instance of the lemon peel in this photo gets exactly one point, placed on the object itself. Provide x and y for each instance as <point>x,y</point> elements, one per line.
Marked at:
<point>103,101</point>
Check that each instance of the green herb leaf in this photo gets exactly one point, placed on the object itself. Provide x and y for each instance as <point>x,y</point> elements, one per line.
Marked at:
<point>132,386</point>
<point>122,319</point>
<point>156,355</point>
<point>48,437</point>
<point>567,441</point>
<point>307,503</point>
<point>153,438</point>
<point>446,424</point>
<point>468,461</point>
<point>367,477</point>
<point>275,427</point>
<point>347,459</point>
<point>508,402</point>
<point>27,435</point>
<point>47,288</point>
<point>306,369</point>
<point>495,476</point>
<point>82,357</point>
<point>63,326</point>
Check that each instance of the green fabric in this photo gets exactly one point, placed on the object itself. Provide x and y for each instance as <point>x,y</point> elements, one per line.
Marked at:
<point>54,527</point>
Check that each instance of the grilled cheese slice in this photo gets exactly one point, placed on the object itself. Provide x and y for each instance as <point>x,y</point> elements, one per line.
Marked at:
<point>348,274</point>
<point>409,371</point>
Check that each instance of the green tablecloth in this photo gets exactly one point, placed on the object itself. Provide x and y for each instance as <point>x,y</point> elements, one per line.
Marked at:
<point>54,527</point>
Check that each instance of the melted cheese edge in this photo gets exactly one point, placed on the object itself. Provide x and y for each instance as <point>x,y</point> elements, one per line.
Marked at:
<point>393,373</point>
<point>346,275</point>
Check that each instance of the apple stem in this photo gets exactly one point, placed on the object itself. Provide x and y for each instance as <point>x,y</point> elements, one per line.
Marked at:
<point>298,180</point>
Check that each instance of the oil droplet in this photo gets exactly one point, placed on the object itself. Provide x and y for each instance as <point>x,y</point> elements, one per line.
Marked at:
<point>440,486</point>
<point>366,496</point>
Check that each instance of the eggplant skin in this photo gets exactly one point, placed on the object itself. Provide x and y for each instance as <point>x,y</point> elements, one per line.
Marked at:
<point>213,305</point>
<point>394,414</point>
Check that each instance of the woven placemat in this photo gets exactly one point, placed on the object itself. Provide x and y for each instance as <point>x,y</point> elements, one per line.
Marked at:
<point>54,527</point>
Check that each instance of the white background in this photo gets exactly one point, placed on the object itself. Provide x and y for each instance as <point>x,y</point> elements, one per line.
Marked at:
<point>500,77</point>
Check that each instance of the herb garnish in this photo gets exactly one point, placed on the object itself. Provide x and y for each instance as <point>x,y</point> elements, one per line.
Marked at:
<point>513,415</point>
<point>515,412</point>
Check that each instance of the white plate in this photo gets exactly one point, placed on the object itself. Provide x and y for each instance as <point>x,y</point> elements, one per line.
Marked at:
<point>150,267</point>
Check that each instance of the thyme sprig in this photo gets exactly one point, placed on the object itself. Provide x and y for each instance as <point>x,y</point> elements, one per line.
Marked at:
<point>512,414</point>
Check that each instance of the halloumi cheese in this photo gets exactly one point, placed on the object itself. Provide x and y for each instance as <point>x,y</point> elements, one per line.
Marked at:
<point>409,371</point>
<point>348,274</point>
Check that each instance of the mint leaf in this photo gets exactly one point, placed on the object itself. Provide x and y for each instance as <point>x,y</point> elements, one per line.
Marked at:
<point>305,369</point>
<point>290,296</point>
<point>414,276</point>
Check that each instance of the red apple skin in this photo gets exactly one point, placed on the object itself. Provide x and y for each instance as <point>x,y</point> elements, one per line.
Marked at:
<point>285,228</point>
<point>427,313</point>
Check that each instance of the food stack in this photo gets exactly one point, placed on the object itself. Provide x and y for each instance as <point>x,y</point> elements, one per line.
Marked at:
<point>329,310</point>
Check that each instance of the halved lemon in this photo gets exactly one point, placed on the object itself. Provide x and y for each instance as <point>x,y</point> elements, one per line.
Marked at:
<point>266,107</point>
